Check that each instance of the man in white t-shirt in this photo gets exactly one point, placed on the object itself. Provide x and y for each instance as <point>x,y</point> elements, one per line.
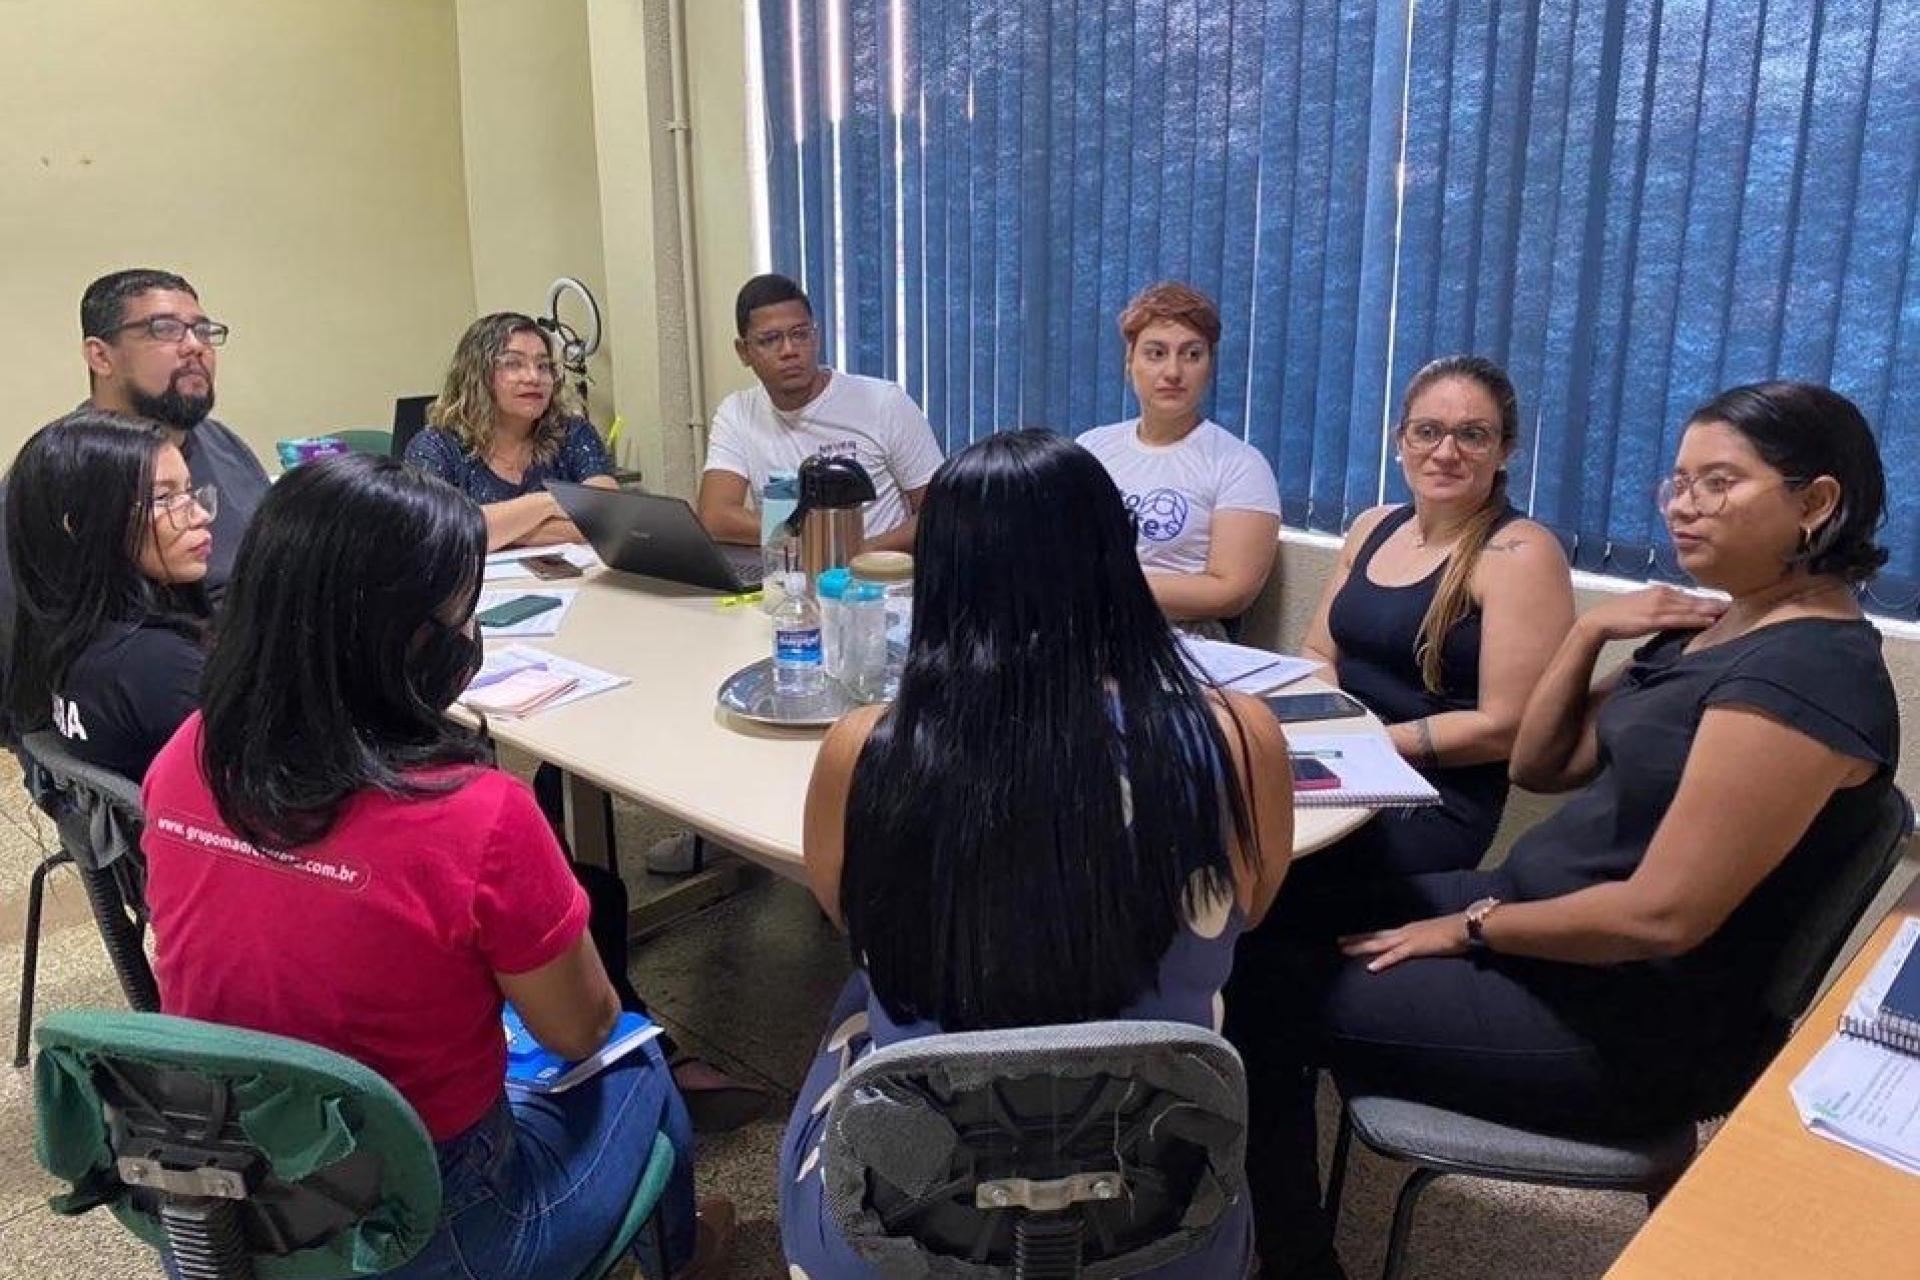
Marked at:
<point>1204,500</point>
<point>802,409</point>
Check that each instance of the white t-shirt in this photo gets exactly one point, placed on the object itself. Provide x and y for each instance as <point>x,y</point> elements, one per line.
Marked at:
<point>1174,489</point>
<point>868,419</point>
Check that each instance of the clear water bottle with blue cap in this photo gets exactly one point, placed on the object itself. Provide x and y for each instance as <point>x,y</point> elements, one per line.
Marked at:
<point>799,661</point>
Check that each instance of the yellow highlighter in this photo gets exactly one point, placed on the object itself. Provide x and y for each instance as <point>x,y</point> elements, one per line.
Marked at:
<point>745,597</point>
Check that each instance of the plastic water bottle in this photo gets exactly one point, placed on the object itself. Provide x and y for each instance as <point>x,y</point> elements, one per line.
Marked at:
<point>799,664</point>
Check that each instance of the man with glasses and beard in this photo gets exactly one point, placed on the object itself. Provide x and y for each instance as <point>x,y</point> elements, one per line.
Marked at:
<point>151,353</point>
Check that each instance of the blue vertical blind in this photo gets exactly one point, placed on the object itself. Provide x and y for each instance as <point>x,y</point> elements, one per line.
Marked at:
<point>1629,203</point>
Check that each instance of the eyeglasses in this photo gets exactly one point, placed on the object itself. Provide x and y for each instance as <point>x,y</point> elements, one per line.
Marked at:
<point>767,343</point>
<point>173,329</point>
<point>1708,493</point>
<point>1474,439</point>
<point>516,365</point>
<point>179,508</point>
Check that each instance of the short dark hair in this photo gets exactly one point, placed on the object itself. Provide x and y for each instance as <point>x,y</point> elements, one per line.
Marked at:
<point>1805,431</point>
<point>76,515</point>
<point>331,673</point>
<point>104,304</point>
<point>769,290</point>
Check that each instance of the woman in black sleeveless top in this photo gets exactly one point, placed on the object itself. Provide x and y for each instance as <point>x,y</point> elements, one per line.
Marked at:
<point>1442,621</point>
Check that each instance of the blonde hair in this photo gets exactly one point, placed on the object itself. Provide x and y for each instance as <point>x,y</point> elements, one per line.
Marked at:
<point>465,406</point>
<point>1454,596</point>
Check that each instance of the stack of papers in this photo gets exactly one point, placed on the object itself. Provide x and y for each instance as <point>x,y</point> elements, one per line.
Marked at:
<point>515,681</point>
<point>1861,1094</point>
<point>1372,774</point>
<point>539,1070</point>
<point>1236,666</point>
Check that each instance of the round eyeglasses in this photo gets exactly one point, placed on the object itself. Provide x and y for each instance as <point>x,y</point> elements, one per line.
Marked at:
<point>179,508</point>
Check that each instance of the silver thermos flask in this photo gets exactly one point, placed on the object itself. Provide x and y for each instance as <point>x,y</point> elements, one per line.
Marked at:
<point>830,520</point>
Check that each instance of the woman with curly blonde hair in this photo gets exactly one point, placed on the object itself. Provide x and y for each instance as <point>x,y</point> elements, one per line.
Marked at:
<point>503,426</point>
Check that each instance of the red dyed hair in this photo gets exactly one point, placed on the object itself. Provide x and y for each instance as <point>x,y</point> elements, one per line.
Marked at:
<point>1171,300</point>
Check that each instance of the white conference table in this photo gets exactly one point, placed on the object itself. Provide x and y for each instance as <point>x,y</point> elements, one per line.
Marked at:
<point>662,740</point>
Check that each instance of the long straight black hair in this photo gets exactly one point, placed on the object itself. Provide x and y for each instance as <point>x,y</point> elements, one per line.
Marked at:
<point>1050,797</point>
<point>78,511</point>
<point>342,642</point>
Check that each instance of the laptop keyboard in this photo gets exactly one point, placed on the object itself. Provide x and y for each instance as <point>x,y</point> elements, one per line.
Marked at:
<point>745,561</point>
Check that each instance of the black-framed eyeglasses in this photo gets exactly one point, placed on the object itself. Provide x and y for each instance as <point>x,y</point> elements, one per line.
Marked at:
<point>173,329</point>
<point>1708,492</point>
<point>767,343</point>
<point>179,508</point>
<point>1474,439</point>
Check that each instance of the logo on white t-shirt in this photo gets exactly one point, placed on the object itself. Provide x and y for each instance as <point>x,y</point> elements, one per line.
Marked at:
<point>1161,514</point>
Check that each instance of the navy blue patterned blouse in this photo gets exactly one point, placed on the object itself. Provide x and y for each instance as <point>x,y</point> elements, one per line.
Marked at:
<point>581,457</point>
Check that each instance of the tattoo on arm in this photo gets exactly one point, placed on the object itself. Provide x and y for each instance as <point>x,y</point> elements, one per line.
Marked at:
<point>1510,544</point>
<point>1428,755</point>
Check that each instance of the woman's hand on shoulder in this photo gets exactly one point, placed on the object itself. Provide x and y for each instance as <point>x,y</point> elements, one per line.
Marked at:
<point>1649,612</point>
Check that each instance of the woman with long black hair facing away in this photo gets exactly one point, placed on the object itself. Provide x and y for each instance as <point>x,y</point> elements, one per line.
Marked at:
<point>1607,976</point>
<point>324,785</point>
<point>108,541</point>
<point>1054,823</point>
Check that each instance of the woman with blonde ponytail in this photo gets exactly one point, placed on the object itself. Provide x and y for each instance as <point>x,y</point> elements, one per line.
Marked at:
<point>1440,617</point>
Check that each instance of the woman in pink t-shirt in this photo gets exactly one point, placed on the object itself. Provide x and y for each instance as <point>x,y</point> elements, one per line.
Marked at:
<point>331,858</point>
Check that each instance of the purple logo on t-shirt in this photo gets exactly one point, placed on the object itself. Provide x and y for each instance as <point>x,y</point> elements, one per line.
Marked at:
<point>1160,515</point>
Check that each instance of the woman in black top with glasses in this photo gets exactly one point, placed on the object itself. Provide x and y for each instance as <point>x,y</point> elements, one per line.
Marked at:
<point>108,541</point>
<point>1440,617</point>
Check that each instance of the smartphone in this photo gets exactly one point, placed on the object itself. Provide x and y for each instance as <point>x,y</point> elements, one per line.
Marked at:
<point>1310,775</point>
<point>549,567</point>
<point>517,610</point>
<point>1293,707</point>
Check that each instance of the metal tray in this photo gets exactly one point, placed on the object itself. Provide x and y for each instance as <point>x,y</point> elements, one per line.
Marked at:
<point>749,693</point>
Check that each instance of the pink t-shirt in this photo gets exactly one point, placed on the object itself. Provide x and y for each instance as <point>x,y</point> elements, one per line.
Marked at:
<point>379,941</point>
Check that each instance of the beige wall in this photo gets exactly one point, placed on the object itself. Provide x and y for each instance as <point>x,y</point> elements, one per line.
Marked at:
<point>301,163</point>
<point>532,180</point>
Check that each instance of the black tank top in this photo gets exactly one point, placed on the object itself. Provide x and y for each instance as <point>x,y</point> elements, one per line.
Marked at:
<point>1375,629</point>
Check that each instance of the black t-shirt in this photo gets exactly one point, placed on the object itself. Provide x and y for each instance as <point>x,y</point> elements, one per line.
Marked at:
<point>1821,677</point>
<point>123,697</point>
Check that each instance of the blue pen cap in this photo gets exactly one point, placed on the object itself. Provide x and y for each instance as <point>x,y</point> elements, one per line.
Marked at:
<point>832,583</point>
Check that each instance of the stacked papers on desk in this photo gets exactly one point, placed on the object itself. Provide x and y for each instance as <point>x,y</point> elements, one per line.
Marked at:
<point>1861,1094</point>
<point>506,564</point>
<point>516,681</point>
<point>1372,774</point>
<point>1236,666</point>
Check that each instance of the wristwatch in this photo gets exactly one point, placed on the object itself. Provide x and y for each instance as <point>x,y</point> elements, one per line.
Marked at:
<point>1476,916</point>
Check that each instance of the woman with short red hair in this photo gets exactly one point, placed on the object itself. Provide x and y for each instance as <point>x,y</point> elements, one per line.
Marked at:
<point>1203,500</point>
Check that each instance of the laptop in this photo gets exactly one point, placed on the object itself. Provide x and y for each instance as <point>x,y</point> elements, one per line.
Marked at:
<point>657,536</point>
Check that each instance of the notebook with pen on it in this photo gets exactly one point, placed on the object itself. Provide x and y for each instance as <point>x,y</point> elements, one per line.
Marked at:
<point>1369,773</point>
<point>1886,1009</point>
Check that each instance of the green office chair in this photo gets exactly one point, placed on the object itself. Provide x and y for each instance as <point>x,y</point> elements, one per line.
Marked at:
<point>248,1155</point>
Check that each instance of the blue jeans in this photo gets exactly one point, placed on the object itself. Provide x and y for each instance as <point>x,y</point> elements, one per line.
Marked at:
<point>536,1188</point>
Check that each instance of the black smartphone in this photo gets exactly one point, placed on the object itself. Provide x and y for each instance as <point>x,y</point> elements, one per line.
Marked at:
<point>1292,708</point>
<point>519,609</point>
<point>1310,775</point>
<point>549,567</point>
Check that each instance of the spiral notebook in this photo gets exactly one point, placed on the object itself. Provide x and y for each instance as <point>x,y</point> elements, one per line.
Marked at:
<point>1886,1009</point>
<point>1372,775</point>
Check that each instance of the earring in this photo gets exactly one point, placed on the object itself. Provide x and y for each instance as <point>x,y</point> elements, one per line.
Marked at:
<point>1805,545</point>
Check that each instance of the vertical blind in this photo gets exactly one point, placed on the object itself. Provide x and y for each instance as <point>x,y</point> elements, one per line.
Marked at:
<point>1629,203</point>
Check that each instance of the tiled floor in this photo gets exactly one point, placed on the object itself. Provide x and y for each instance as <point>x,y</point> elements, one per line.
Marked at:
<point>747,983</point>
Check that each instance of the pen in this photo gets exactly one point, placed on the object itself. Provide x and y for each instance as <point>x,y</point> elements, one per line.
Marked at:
<point>1316,755</point>
<point>745,597</point>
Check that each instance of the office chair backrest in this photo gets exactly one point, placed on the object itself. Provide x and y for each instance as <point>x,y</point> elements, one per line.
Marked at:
<point>241,1153</point>
<point>1107,1148</point>
<point>409,417</point>
<point>1839,899</point>
<point>97,813</point>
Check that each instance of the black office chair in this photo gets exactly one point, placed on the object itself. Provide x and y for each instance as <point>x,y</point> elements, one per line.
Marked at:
<point>409,418</point>
<point>1109,1147</point>
<point>97,814</point>
<point>1439,1142</point>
